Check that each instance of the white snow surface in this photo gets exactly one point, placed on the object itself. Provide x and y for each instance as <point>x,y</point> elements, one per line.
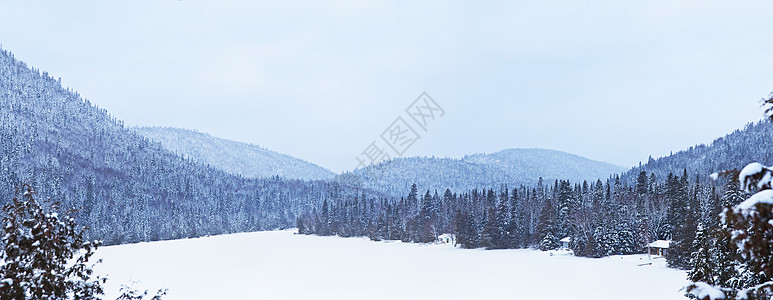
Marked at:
<point>283,265</point>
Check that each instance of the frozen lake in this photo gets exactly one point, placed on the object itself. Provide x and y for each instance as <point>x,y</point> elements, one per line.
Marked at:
<point>282,265</point>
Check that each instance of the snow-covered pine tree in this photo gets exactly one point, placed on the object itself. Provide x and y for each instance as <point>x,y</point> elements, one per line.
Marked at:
<point>724,256</point>
<point>603,242</point>
<point>517,221</point>
<point>427,220</point>
<point>45,255</point>
<point>734,195</point>
<point>626,239</point>
<point>489,229</point>
<point>502,237</point>
<point>750,225</point>
<point>684,220</point>
<point>677,198</point>
<point>566,205</point>
<point>547,224</point>
<point>701,261</point>
<point>465,227</point>
<point>549,242</point>
<point>325,220</point>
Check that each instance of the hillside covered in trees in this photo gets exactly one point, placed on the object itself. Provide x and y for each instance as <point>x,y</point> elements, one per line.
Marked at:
<point>511,166</point>
<point>667,199</point>
<point>129,189</point>
<point>741,147</point>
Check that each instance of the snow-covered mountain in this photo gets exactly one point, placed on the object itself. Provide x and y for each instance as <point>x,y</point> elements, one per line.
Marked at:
<point>546,163</point>
<point>511,167</point>
<point>733,151</point>
<point>128,188</point>
<point>233,157</point>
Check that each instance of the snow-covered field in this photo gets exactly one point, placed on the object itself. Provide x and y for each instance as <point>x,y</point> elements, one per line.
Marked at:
<point>282,265</point>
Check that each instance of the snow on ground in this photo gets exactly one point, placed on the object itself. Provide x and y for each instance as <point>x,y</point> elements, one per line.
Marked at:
<point>283,265</point>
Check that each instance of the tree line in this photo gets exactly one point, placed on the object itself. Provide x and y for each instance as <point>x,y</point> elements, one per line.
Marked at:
<point>601,218</point>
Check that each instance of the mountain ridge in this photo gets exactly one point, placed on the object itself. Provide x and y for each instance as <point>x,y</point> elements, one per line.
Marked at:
<point>246,159</point>
<point>126,188</point>
<point>752,143</point>
<point>514,166</point>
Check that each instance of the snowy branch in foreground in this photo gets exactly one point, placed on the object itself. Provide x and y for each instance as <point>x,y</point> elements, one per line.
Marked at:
<point>748,206</point>
<point>705,291</point>
<point>751,227</point>
<point>755,174</point>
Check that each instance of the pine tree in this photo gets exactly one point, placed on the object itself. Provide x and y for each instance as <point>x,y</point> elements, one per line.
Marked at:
<point>681,246</point>
<point>642,184</point>
<point>724,256</point>
<point>549,242</point>
<point>502,237</point>
<point>750,229</point>
<point>519,219</point>
<point>566,206</point>
<point>677,197</point>
<point>546,228</point>
<point>413,195</point>
<point>626,239</point>
<point>427,217</point>
<point>701,260</point>
<point>466,229</point>
<point>603,243</point>
<point>325,220</point>
<point>753,235</point>
<point>45,255</point>
<point>734,195</point>
<point>489,233</point>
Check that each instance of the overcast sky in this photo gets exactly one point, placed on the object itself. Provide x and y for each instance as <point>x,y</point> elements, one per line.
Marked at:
<point>320,80</point>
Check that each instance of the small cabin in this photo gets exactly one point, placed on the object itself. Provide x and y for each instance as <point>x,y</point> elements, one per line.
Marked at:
<point>446,238</point>
<point>659,247</point>
<point>565,242</point>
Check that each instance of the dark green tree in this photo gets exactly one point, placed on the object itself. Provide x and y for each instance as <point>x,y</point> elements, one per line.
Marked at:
<point>427,220</point>
<point>501,238</point>
<point>45,255</point>
<point>701,261</point>
<point>681,247</point>
<point>546,228</point>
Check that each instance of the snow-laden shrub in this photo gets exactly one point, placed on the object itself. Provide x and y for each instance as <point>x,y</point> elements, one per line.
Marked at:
<point>45,255</point>
<point>750,225</point>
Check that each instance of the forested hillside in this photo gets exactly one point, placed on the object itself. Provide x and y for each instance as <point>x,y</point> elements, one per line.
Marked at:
<point>478,171</point>
<point>601,217</point>
<point>665,199</point>
<point>129,188</point>
<point>739,148</point>
<point>233,157</point>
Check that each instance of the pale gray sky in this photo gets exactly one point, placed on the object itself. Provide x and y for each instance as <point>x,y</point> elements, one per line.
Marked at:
<point>609,80</point>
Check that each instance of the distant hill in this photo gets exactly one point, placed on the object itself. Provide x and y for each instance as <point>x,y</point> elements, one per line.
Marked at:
<point>753,143</point>
<point>248,160</point>
<point>511,166</point>
<point>130,189</point>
